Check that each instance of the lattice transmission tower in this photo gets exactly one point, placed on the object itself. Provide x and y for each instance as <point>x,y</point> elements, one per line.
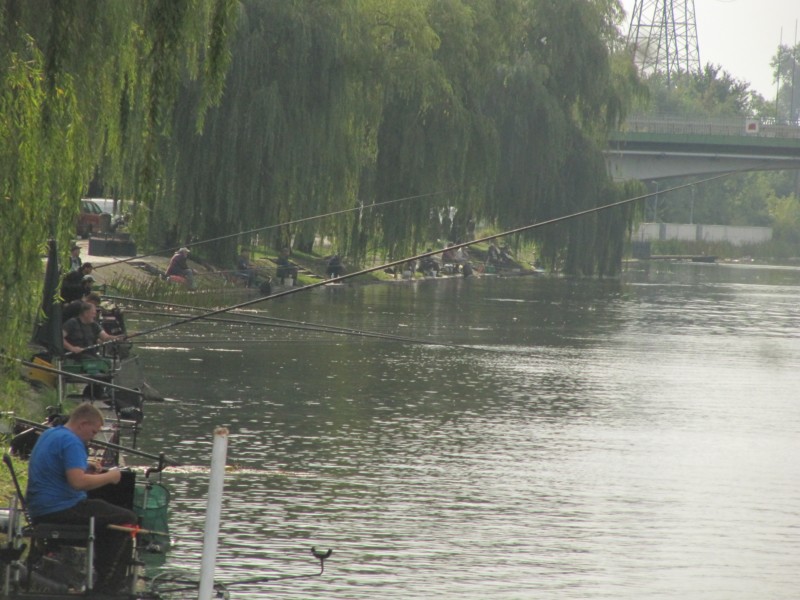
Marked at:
<point>663,37</point>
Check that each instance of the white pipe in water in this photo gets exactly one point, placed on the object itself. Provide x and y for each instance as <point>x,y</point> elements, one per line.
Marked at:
<point>213,511</point>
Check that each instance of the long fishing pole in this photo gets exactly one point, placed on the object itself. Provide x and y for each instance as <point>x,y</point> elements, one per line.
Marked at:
<point>81,378</point>
<point>265,228</point>
<point>315,328</point>
<point>487,238</point>
<point>108,445</point>
<point>278,323</point>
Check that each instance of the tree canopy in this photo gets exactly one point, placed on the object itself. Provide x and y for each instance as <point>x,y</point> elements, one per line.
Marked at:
<point>754,199</point>
<point>495,112</point>
<point>214,116</point>
<point>88,87</point>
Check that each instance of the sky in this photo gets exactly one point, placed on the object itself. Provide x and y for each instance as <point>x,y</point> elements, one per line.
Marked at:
<point>742,36</point>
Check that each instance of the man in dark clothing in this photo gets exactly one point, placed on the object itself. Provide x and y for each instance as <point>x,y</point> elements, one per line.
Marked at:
<point>285,267</point>
<point>73,309</point>
<point>429,265</point>
<point>74,287</point>
<point>59,475</point>
<point>245,269</point>
<point>75,261</point>
<point>81,334</point>
<point>335,267</point>
<point>493,255</point>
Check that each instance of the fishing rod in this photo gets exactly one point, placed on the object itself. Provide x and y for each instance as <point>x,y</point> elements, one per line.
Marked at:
<point>160,458</point>
<point>82,378</point>
<point>265,228</point>
<point>426,254</point>
<point>300,326</point>
<point>279,323</point>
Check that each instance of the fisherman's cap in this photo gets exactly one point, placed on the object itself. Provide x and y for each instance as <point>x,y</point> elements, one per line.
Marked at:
<point>184,250</point>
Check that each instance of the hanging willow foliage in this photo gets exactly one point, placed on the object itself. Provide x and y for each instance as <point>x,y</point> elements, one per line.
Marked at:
<point>84,89</point>
<point>281,145</point>
<point>501,109</point>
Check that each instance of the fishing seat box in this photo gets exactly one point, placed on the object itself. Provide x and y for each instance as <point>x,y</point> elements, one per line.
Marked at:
<point>89,366</point>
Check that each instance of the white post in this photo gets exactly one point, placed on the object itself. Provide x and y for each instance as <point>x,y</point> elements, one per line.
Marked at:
<point>216,480</point>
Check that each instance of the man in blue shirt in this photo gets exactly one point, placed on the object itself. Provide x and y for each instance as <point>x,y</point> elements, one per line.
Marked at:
<point>59,475</point>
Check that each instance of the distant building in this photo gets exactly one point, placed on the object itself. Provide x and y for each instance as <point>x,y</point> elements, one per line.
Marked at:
<point>689,232</point>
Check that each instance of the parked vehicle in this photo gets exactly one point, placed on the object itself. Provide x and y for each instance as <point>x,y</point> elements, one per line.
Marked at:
<point>114,208</point>
<point>92,220</point>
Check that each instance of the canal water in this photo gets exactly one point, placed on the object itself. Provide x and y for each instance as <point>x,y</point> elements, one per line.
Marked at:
<point>635,438</point>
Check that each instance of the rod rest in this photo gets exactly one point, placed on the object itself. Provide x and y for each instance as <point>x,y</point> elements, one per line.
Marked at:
<point>57,531</point>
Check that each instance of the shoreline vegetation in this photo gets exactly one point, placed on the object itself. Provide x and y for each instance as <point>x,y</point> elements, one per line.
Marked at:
<point>218,282</point>
<point>218,286</point>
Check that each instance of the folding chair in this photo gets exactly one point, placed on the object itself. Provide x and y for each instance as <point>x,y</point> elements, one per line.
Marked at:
<point>45,535</point>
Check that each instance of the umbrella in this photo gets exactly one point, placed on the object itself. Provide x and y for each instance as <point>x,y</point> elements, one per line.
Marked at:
<point>48,332</point>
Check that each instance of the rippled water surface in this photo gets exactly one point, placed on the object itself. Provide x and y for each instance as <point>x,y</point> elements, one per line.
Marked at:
<point>623,439</point>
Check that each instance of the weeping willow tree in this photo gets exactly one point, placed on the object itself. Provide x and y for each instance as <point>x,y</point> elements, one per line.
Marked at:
<point>434,135</point>
<point>87,87</point>
<point>287,141</point>
<point>493,112</point>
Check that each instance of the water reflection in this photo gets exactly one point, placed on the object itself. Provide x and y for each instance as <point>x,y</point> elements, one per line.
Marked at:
<point>633,438</point>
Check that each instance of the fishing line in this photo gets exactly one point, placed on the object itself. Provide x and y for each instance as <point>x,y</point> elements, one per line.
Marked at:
<point>311,286</point>
<point>487,238</point>
<point>81,378</point>
<point>117,447</point>
<point>278,323</point>
<point>295,222</point>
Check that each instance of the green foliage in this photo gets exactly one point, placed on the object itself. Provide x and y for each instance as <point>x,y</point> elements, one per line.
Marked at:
<point>785,213</point>
<point>496,112</point>
<point>37,175</point>
<point>786,69</point>
<point>85,88</point>
<point>746,199</point>
<point>711,93</point>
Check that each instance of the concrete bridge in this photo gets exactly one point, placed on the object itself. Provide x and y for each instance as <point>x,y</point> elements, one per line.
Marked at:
<point>652,148</point>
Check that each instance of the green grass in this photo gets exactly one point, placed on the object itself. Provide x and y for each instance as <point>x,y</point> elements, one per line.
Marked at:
<point>7,490</point>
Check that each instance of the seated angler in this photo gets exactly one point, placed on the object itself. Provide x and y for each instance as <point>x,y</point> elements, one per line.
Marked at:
<point>81,337</point>
<point>73,309</point>
<point>493,255</point>
<point>179,266</point>
<point>449,264</point>
<point>74,286</point>
<point>335,267</point>
<point>59,475</point>
<point>429,266</point>
<point>285,267</point>
<point>505,256</point>
<point>449,255</point>
<point>244,268</point>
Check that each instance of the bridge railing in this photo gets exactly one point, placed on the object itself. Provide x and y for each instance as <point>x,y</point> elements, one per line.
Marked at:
<point>724,126</point>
